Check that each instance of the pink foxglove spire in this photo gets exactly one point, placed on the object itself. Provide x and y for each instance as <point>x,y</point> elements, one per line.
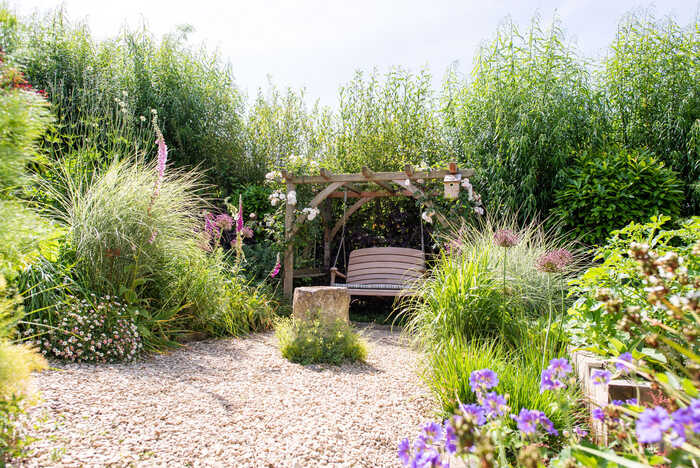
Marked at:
<point>239,221</point>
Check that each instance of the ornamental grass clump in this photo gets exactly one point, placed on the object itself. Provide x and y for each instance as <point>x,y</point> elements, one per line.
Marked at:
<point>316,340</point>
<point>464,294</point>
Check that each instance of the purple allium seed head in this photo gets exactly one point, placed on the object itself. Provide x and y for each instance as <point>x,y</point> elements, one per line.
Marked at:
<point>555,261</point>
<point>652,424</point>
<point>247,232</point>
<point>482,380</point>
<point>224,222</point>
<point>506,238</point>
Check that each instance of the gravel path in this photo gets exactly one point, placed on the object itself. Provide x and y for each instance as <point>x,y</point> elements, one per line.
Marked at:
<point>232,402</point>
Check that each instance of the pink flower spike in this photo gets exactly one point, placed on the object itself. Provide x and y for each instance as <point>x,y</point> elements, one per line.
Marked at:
<point>239,221</point>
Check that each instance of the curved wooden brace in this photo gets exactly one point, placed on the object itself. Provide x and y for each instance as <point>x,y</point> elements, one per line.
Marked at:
<point>356,206</point>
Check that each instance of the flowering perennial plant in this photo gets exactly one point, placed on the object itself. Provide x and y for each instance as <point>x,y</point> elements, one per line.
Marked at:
<point>480,432</point>
<point>96,330</point>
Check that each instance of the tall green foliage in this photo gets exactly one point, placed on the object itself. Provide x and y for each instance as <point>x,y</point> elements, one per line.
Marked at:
<point>385,124</point>
<point>652,80</point>
<point>193,92</point>
<point>529,107</point>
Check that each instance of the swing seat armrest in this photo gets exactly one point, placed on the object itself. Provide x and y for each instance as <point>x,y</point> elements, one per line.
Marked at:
<point>334,272</point>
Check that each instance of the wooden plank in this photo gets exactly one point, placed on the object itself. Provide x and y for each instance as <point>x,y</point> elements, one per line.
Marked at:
<point>383,176</point>
<point>381,279</point>
<point>403,251</point>
<point>370,175</point>
<point>404,273</point>
<point>329,175</point>
<point>380,292</point>
<point>385,265</point>
<point>406,260</point>
<point>377,194</point>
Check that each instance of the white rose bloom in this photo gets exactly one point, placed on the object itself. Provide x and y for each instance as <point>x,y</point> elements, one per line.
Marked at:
<point>407,182</point>
<point>479,210</point>
<point>292,198</point>
<point>428,216</point>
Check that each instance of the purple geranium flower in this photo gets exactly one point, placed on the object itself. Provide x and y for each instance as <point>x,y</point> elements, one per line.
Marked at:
<point>529,419</point>
<point>477,411</point>
<point>598,414</point>
<point>652,424</point>
<point>624,362</point>
<point>685,421</point>
<point>580,432</point>
<point>432,432</point>
<point>549,382</point>
<point>450,438</point>
<point>601,376</point>
<point>560,367</point>
<point>494,404</point>
<point>482,379</point>
<point>405,452</point>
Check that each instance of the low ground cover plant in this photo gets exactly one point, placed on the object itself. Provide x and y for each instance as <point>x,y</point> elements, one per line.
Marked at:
<point>97,329</point>
<point>317,340</point>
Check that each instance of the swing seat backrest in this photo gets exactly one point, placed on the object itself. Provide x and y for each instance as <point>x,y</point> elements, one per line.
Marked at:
<point>384,271</point>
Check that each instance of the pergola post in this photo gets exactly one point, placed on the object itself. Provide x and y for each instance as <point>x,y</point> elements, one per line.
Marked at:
<point>288,287</point>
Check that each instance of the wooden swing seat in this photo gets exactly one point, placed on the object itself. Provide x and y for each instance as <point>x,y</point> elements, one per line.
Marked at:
<point>382,271</point>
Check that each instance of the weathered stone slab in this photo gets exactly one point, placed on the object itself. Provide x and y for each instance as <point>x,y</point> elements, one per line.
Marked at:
<point>330,303</point>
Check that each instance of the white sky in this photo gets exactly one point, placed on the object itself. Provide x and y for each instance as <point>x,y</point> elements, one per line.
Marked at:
<point>318,44</point>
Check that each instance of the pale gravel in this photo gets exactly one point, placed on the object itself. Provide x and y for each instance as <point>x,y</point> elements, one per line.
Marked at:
<point>232,402</point>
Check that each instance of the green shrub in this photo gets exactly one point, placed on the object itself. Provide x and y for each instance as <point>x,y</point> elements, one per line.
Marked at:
<point>319,341</point>
<point>464,294</point>
<point>605,191</point>
<point>596,321</point>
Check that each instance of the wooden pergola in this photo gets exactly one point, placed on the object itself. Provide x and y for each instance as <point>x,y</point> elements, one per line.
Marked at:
<point>364,186</point>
